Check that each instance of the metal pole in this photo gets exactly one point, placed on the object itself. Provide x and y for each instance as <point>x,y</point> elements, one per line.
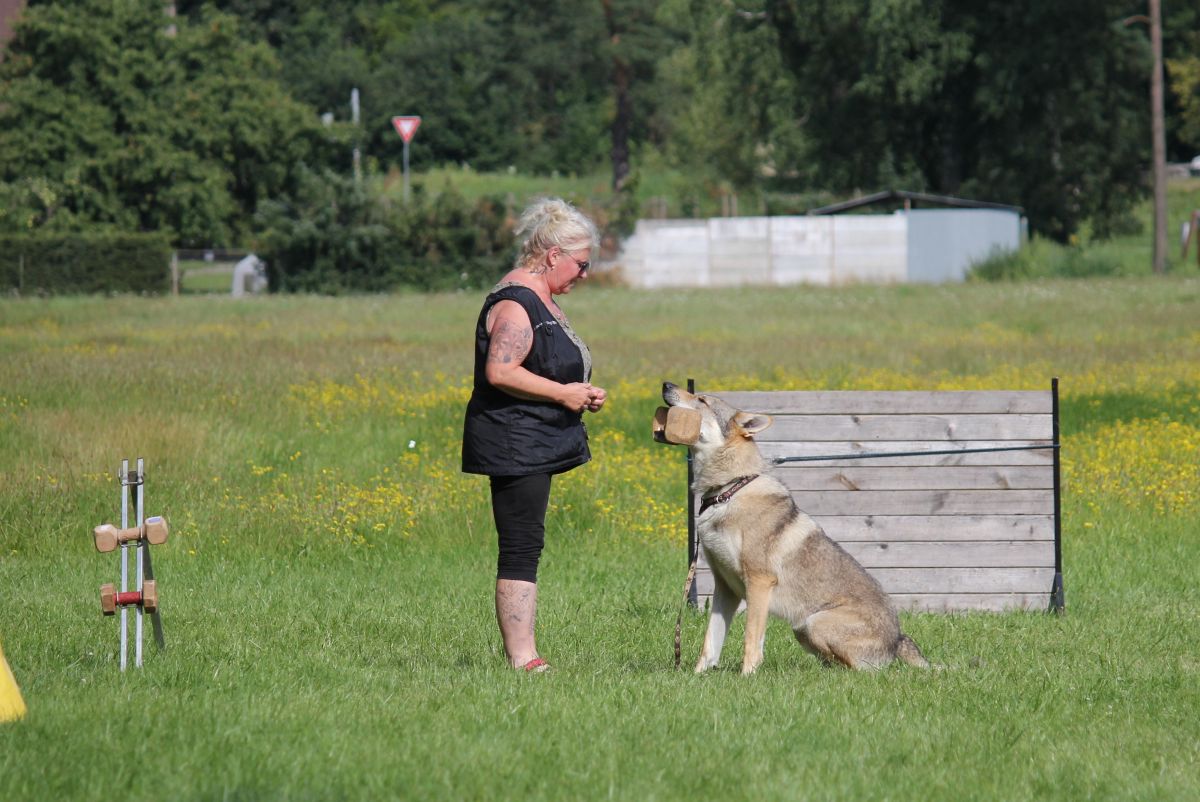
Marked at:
<point>1196,233</point>
<point>693,546</point>
<point>124,560</point>
<point>1057,598</point>
<point>141,545</point>
<point>406,190</point>
<point>879,454</point>
<point>1160,140</point>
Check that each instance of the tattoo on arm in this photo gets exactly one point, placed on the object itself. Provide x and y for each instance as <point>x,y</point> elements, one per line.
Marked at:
<point>510,343</point>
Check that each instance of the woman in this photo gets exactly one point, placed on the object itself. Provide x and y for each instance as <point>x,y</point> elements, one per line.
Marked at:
<point>524,421</point>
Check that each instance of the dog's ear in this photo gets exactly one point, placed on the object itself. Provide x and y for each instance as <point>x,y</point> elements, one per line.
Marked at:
<point>752,422</point>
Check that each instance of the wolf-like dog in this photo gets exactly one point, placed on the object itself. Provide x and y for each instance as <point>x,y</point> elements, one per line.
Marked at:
<point>765,551</point>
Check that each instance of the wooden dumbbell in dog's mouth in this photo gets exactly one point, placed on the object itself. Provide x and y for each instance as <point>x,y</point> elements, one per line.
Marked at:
<point>676,425</point>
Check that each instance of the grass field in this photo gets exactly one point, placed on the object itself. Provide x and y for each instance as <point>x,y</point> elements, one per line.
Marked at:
<point>198,278</point>
<point>327,585</point>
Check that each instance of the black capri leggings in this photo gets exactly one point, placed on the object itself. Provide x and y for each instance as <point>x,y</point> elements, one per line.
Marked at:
<point>519,509</point>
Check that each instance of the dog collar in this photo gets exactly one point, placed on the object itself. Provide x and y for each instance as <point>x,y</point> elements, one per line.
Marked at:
<point>712,501</point>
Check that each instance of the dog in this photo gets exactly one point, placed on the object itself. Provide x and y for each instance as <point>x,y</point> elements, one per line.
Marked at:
<point>765,551</point>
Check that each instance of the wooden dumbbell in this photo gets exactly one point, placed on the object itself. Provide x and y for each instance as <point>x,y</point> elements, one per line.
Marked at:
<point>149,595</point>
<point>153,531</point>
<point>676,425</point>
<point>110,599</point>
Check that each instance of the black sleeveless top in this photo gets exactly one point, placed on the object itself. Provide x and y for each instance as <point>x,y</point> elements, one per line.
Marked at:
<point>508,436</point>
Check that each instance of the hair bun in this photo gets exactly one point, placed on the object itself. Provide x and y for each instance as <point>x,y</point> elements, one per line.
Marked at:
<point>550,222</point>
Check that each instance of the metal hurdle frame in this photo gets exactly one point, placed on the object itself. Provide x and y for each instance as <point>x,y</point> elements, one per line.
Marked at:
<point>143,565</point>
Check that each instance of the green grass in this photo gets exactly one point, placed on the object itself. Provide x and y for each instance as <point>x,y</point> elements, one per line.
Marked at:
<point>327,588</point>
<point>1127,254</point>
<point>202,278</point>
<point>655,183</point>
<point>523,186</point>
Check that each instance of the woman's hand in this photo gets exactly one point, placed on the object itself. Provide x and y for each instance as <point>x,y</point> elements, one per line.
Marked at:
<point>598,396</point>
<point>576,396</point>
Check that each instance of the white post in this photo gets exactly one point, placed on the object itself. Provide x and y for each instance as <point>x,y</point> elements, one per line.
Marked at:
<point>141,544</point>
<point>124,561</point>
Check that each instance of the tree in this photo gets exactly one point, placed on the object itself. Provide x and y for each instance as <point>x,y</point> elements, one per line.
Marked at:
<point>1181,49</point>
<point>871,77</point>
<point>525,83</point>
<point>637,40</point>
<point>511,83</point>
<point>1035,104</point>
<point>726,109</point>
<point>1185,84</point>
<point>1181,43</point>
<point>107,120</point>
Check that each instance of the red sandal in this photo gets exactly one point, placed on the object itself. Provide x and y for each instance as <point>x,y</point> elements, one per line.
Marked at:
<point>536,666</point>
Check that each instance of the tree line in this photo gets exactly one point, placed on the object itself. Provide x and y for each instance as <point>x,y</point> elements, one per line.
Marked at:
<point>113,115</point>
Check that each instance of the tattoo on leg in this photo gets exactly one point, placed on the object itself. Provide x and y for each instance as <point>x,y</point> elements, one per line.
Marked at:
<point>514,606</point>
<point>516,611</point>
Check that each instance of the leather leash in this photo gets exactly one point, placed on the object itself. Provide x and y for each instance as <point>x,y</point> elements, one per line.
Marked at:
<point>687,588</point>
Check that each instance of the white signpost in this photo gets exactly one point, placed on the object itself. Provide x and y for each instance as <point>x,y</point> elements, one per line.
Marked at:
<point>406,127</point>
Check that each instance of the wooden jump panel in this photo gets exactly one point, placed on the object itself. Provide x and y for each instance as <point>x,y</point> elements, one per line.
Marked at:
<point>808,476</point>
<point>941,428</point>
<point>941,532</point>
<point>941,528</point>
<point>868,402</point>
<point>947,581</point>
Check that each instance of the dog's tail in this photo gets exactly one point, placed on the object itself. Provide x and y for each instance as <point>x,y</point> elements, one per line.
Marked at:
<point>908,651</point>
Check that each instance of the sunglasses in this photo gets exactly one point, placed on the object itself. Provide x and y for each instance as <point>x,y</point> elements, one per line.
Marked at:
<point>583,266</point>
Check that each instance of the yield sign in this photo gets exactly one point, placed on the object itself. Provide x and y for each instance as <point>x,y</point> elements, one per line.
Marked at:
<point>406,127</point>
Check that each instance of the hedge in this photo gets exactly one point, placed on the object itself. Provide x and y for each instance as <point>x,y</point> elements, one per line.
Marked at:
<point>336,236</point>
<point>83,263</point>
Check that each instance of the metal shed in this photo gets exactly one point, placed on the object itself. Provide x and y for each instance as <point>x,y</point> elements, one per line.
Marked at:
<point>826,246</point>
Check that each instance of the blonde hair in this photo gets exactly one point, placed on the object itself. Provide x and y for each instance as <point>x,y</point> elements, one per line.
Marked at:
<point>550,222</point>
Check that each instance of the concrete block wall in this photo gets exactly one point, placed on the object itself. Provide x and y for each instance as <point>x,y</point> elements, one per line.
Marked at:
<point>829,249</point>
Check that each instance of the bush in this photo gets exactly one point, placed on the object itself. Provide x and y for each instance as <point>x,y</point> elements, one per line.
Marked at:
<point>337,236</point>
<point>81,263</point>
<point>1041,259</point>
